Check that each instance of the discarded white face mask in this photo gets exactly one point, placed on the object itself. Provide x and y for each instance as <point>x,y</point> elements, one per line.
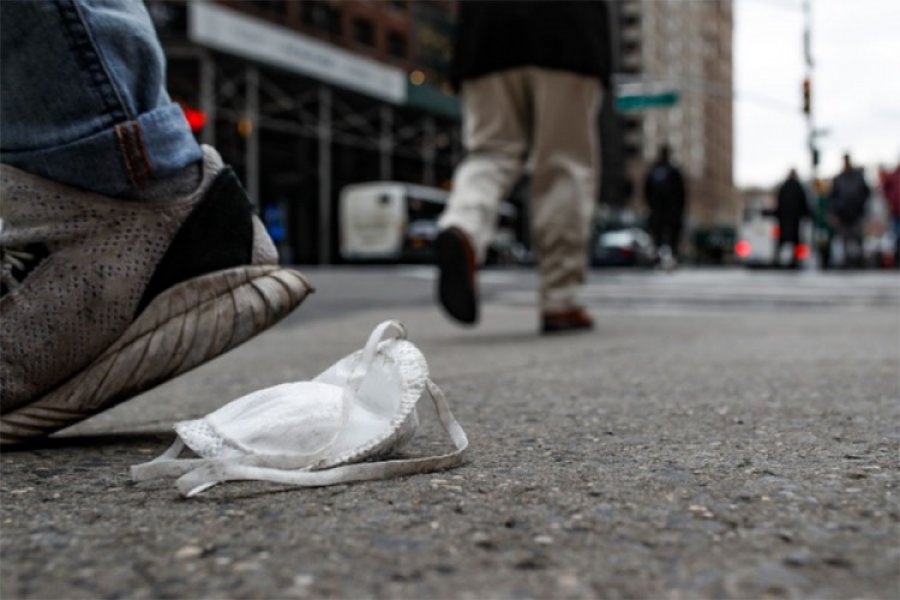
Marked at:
<point>316,433</point>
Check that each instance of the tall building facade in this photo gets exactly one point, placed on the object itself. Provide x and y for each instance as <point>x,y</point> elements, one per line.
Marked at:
<point>684,46</point>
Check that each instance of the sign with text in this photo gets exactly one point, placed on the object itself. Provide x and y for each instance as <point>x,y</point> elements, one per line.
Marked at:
<point>233,32</point>
<point>641,95</point>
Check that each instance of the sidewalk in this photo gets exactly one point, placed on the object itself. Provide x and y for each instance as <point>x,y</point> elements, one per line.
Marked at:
<point>674,455</point>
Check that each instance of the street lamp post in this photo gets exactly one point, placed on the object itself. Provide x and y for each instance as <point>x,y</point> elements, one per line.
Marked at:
<point>811,133</point>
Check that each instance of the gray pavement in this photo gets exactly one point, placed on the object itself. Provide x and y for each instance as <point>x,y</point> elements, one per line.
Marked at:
<point>721,434</point>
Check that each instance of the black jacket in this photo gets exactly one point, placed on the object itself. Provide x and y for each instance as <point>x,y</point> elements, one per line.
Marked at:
<point>791,209</point>
<point>849,195</point>
<point>497,35</point>
<point>664,190</point>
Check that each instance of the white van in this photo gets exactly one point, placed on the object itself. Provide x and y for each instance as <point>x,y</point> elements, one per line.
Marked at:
<point>757,236</point>
<point>389,221</point>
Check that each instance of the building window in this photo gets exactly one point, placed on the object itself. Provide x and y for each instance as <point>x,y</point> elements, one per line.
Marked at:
<point>631,20</point>
<point>312,13</point>
<point>322,16</point>
<point>632,125</point>
<point>275,7</point>
<point>396,45</point>
<point>364,32</point>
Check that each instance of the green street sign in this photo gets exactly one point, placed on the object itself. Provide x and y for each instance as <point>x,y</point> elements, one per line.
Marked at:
<point>643,101</point>
<point>430,98</point>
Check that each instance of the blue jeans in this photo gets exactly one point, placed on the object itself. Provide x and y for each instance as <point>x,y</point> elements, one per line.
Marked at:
<point>83,97</point>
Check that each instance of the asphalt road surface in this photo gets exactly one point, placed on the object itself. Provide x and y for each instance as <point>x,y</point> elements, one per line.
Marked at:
<point>721,434</point>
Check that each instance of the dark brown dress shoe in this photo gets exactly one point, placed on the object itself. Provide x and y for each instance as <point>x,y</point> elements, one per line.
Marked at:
<point>575,319</point>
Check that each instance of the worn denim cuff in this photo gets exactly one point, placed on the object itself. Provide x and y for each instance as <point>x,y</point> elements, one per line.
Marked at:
<point>118,159</point>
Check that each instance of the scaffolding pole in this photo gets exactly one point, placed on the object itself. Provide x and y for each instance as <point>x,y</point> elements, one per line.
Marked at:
<point>428,150</point>
<point>251,157</point>
<point>325,134</point>
<point>208,97</point>
<point>811,132</point>
<point>386,142</point>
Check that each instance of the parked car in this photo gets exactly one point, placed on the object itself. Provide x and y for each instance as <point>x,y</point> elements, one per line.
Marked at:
<point>713,245</point>
<point>879,250</point>
<point>627,247</point>
<point>418,246</point>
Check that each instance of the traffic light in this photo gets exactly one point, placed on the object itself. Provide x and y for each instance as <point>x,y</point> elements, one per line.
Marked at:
<point>806,99</point>
<point>196,118</point>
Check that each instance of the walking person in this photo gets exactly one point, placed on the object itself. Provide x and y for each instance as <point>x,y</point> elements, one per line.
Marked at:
<point>849,196</point>
<point>130,254</point>
<point>665,195</point>
<point>791,209</point>
<point>890,189</point>
<point>529,75</point>
<point>823,226</point>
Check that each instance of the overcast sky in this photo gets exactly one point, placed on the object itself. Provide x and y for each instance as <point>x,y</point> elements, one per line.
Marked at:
<point>856,85</point>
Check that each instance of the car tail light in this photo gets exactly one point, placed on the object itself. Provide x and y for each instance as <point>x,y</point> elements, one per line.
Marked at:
<point>743,248</point>
<point>776,232</point>
<point>801,252</point>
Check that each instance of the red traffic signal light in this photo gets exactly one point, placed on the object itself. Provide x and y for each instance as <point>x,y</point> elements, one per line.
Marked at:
<point>807,104</point>
<point>196,118</point>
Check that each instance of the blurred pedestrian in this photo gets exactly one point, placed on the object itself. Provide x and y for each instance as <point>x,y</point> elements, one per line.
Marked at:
<point>791,209</point>
<point>823,235</point>
<point>849,196</point>
<point>664,192</point>
<point>890,189</point>
<point>129,253</point>
<point>529,75</point>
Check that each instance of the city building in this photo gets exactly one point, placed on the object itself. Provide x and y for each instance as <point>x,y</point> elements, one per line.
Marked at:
<point>681,51</point>
<point>303,98</point>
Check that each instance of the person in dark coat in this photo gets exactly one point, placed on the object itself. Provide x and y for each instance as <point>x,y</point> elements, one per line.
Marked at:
<point>530,76</point>
<point>848,200</point>
<point>665,195</point>
<point>560,35</point>
<point>790,210</point>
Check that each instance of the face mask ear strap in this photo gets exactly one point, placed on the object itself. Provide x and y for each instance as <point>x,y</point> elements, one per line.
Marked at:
<point>207,475</point>
<point>386,330</point>
<point>169,465</point>
<point>166,464</point>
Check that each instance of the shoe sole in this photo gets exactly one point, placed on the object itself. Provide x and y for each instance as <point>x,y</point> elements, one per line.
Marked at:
<point>184,327</point>
<point>456,290</point>
<point>550,329</point>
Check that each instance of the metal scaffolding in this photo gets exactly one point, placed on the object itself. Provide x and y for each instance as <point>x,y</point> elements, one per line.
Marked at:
<point>256,100</point>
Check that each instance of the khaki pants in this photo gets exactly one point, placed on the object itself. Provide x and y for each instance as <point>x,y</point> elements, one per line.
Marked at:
<point>550,116</point>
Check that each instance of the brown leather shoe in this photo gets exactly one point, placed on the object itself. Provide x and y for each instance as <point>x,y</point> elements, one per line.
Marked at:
<point>575,319</point>
<point>457,289</point>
